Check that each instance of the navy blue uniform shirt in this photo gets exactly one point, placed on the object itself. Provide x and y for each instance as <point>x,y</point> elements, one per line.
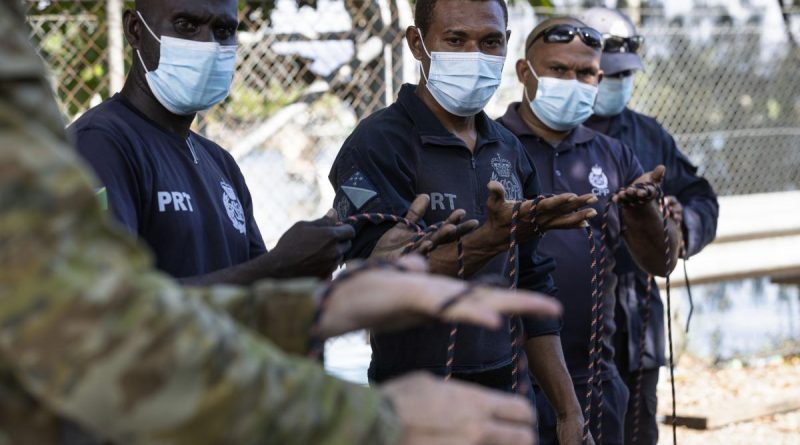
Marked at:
<point>654,146</point>
<point>402,151</point>
<point>584,162</point>
<point>186,198</point>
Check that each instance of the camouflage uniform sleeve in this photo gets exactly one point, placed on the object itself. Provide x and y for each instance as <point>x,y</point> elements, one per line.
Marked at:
<point>264,310</point>
<point>94,334</point>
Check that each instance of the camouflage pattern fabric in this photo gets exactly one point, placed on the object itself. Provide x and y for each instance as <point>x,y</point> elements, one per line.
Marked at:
<point>90,332</point>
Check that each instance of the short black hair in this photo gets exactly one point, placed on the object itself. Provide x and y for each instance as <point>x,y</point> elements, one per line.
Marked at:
<point>423,12</point>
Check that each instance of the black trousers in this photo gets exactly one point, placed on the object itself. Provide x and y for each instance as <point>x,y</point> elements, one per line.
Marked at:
<point>648,403</point>
<point>615,402</point>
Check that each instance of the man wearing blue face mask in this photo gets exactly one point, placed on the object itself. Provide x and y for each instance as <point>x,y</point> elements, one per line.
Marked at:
<point>691,196</point>
<point>437,140</point>
<point>181,193</point>
<point>559,74</point>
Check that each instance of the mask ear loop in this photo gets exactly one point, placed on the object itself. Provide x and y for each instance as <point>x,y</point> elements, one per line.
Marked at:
<point>422,68</point>
<point>525,87</point>
<point>138,53</point>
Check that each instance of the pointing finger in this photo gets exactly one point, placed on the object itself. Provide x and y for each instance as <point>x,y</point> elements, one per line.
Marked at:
<point>418,207</point>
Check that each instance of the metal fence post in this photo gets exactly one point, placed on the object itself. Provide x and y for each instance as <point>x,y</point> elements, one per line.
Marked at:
<point>116,45</point>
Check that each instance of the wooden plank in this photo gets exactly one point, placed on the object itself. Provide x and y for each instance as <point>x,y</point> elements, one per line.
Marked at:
<point>786,279</point>
<point>778,256</point>
<point>756,216</point>
<point>733,411</point>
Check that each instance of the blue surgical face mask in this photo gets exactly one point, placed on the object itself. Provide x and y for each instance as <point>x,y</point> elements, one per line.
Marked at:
<point>613,95</point>
<point>463,83</point>
<point>191,76</point>
<point>562,104</point>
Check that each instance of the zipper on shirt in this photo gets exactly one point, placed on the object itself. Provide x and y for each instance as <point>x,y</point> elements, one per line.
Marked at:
<point>476,205</point>
<point>191,150</point>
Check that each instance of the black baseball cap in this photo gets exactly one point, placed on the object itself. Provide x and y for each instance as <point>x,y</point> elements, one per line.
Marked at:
<point>613,23</point>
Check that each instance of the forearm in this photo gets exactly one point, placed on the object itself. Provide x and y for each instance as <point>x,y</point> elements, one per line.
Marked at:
<point>546,362</point>
<point>644,235</point>
<point>699,228</point>
<point>245,274</point>
<point>124,351</point>
<point>265,309</point>
<point>478,250</point>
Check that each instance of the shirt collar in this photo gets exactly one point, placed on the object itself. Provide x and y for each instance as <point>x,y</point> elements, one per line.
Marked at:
<point>432,131</point>
<point>513,121</point>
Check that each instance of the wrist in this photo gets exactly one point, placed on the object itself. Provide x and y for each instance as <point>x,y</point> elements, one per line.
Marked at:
<point>574,414</point>
<point>270,265</point>
<point>486,241</point>
<point>640,210</point>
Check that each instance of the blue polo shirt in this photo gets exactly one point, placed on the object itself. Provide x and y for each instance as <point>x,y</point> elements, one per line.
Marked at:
<point>185,197</point>
<point>402,151</point>
<point>584,162</point>
<point>654,146</point>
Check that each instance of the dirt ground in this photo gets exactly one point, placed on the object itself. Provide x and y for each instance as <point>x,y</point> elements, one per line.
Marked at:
<point>702,389</point>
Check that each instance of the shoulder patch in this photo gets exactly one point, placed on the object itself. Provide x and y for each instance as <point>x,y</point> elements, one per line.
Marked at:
<point>359,190</point>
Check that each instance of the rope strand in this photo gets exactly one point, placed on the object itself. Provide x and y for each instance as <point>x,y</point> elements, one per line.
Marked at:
<point>668,261</point>
<point>587,410</point>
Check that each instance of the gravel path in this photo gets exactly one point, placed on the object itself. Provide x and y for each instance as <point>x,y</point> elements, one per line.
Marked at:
<point>700,386</point>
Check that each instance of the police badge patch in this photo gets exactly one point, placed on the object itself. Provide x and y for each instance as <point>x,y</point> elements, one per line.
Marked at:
<point>233,207</point>
<point>599,181</point>
<point>504,174</point>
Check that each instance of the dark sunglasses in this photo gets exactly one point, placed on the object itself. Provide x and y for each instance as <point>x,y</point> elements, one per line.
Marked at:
<point>566,33</point>
<point>614,44</point>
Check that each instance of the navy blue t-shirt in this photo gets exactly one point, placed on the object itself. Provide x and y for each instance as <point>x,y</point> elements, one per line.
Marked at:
<point>402,151</point>
<point>585,162</point>
<point>185,197</point>
<point>654,146</point>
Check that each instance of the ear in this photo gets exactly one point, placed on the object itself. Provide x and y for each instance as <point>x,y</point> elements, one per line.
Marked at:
<point>414,42</point>
<point>132,27</point>
<point>522,70</point>
<point>600,76</point>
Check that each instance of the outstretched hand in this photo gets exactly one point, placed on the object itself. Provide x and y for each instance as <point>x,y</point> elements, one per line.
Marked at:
<point>455,413</point>
<point>402,239</point>
<point>311,248</point>
<point>643,190</point>
<point>389,299</point>
<point>675,209</point>
<point>564,211</point>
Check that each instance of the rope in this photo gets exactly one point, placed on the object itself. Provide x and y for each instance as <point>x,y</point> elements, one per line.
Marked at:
<point>595,295</point>
<point>451,344</point>
<point>667,255</point>
<point>601,318</point>
<point>512,275</point>
<point>599,264</point>
<point>316,344</point>
<point>637,401</point>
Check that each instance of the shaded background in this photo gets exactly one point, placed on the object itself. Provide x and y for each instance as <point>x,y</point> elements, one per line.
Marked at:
<point>721,76</point>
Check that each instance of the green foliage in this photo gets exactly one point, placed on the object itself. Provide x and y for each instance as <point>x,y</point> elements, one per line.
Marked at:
<point>73,39</point>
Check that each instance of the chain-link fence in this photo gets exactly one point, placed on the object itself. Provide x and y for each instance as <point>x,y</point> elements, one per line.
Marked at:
<point>308,71</point>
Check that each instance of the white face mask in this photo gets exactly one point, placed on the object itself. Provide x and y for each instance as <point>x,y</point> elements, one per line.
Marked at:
<point>191,76</point>
<point>462,83</point>
<point>613,95</point>
<point>562,104</point>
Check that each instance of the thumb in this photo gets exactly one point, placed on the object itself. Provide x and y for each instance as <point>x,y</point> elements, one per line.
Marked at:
<point>417,209</point>
<point>497,196</point>
<point>332,216</point>
<point>658,174</point>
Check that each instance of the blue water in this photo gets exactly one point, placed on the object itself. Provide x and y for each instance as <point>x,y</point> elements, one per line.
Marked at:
<point>741,318</point>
